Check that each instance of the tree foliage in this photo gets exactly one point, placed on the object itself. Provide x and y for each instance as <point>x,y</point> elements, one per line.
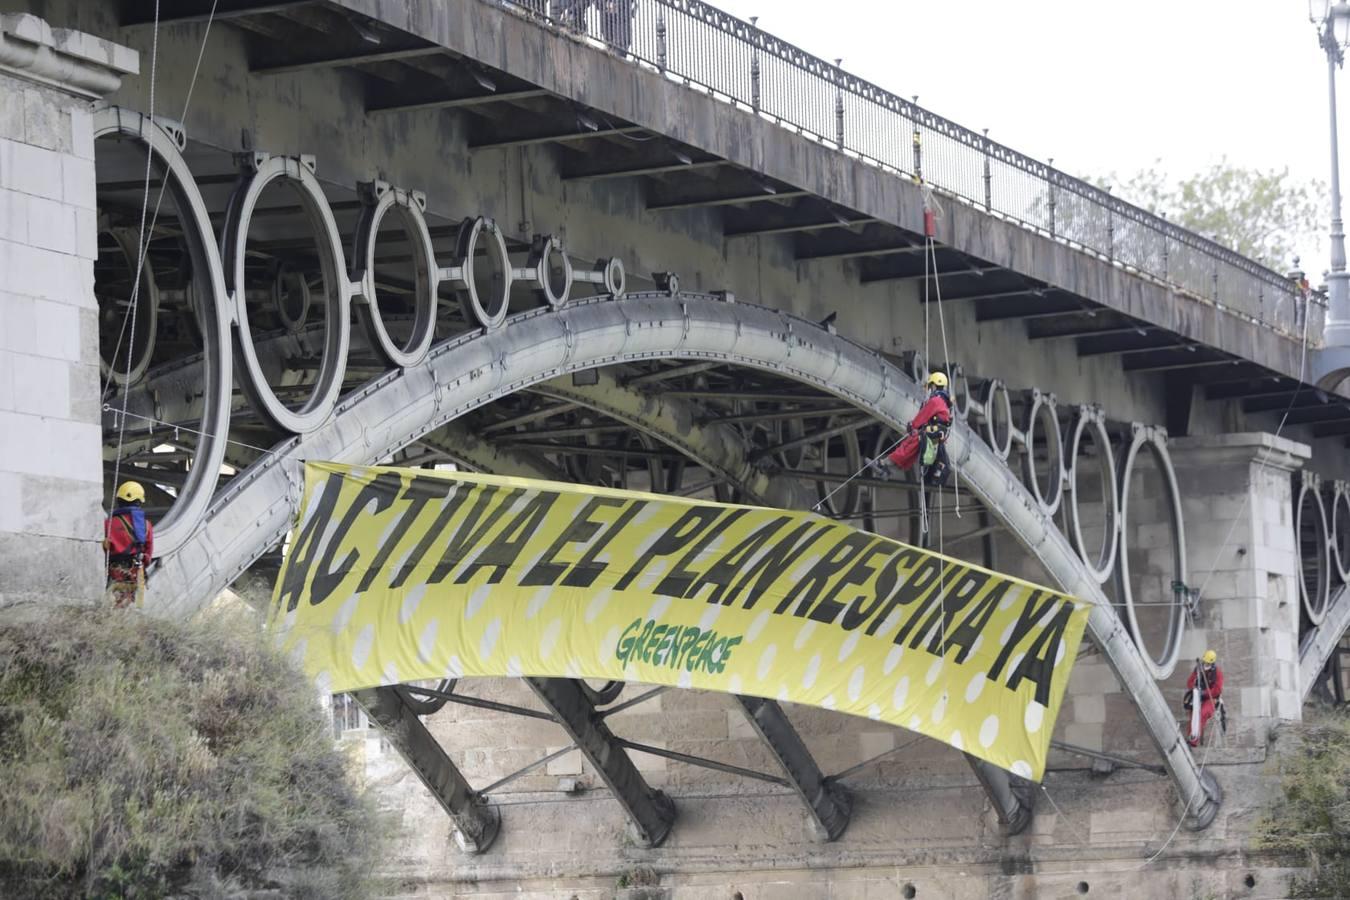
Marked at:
<point>146,758</point>
<point>1311,818</point>
<point>1264,214</point>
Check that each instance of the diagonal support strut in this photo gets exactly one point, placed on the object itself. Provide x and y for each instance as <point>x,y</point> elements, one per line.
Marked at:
<point>477,821</point>
<point>828,803</point>
<point>650,811</point>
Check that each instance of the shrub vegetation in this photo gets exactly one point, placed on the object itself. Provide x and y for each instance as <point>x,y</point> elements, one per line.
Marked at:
<point>146,758</point>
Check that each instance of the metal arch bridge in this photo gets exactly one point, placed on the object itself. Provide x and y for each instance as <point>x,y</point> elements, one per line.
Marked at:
<point>425,388</point>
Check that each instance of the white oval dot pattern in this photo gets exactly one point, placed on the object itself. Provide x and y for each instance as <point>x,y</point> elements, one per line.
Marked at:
<point>804,635</point>
<point>537,602</point>
<point>344,615</point>
<point>1034,717</point>
<point>855,684</point>
<point>766,661</point>
<point>477,599</point>
<point>812,672</point>
<point>426,642</point>
<point>489,641</point>
<point>597,606</point>
<point>850,644</point>
<point>549,642</point>
<point>1021,767</point>
<point>892,659</point>
<point>975,688</point>
<point>901,693</point>
<point>410,604</point>
<point>757,626</point>
<point>989,732</point>
<point>365,641</point>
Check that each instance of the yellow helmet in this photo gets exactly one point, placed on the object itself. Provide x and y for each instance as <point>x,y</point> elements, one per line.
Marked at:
<point>936,379</point>
<point>1210,657</point>
<point>131,492</point>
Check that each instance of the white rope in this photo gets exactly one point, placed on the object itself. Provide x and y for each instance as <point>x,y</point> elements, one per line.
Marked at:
<point>136,284</point>
<point>1260,469</point>
<point>159,200</point>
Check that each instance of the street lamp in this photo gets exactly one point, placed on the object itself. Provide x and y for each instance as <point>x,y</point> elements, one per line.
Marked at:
<point>1333,27</point>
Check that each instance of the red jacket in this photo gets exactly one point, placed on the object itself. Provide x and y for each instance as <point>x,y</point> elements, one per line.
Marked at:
<point>1212,690</point>
<point>936,407</point>
<point>121,541</point>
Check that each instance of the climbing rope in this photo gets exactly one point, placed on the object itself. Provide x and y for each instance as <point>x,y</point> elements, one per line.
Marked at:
<point>135,287</point>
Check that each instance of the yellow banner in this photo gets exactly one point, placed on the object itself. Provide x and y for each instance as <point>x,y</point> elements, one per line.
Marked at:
<point>399,575</point>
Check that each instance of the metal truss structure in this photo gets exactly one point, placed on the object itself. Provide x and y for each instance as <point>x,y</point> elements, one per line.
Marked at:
<point>471,348</point>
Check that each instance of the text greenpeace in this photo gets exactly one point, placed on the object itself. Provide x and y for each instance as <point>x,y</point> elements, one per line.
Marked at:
<point>403,574</point>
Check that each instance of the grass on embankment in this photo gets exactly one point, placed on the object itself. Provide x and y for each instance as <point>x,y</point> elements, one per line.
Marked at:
<point>145,758</point>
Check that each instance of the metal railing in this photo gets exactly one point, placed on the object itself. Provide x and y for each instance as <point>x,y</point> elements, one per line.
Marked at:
<point>708,49</point>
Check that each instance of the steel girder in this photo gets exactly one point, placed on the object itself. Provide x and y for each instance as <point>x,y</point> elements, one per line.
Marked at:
<point>456,441</point>
<point>721,449</point>
<point>676,422</point>
<point>1323,640</point>
<point>477,821</point>
<point>829,804</point>
<point>254,511</point>
<point>650,811</point>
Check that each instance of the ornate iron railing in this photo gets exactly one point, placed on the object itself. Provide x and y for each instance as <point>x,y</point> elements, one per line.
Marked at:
<point>734,61</point>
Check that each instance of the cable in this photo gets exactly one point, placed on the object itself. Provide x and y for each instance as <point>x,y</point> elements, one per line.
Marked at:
<point>862,469</point>
<point>135,293</point>
<point>154,219</point>
<point>108,407</point>
<point>1260,468</point>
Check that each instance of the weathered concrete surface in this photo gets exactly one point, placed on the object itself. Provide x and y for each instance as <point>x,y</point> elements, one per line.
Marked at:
<point>50,470</point>
<point>919,818</point>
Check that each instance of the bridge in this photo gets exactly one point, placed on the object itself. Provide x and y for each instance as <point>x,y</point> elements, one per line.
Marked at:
<point>679,256</point>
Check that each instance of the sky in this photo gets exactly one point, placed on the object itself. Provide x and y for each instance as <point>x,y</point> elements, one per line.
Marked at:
<point>1100,87</point>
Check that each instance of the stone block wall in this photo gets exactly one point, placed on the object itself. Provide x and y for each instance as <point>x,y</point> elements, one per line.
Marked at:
<point>51,460</point>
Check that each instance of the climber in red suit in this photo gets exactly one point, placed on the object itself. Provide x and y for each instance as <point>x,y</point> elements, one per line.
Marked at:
<point>927,436</point>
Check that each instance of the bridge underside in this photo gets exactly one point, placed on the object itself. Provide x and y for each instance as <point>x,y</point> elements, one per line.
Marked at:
<point>292,318</point>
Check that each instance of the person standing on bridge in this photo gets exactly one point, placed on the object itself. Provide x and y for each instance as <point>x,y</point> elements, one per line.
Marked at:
<point>926,440</point>
<point>129,542</point>
<point>616,23</point>
<point>1206,686</point>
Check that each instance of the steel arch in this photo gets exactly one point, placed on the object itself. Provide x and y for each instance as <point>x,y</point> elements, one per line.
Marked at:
<point>464,373</point>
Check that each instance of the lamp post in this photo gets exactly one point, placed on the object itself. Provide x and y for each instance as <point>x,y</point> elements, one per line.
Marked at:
<point>1333,27</point>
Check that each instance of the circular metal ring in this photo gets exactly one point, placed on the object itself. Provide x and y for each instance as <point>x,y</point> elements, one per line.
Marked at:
<point>292,317</point>
<point>960,391</point>
<point>471,231</point>
<point>1315,607</point>
<point>1091,419</point>
<point>1340,529</point>
<point>426,276</point>
<point>147,309</point>
<point>910,494</point>
<point>852,493</point>
<point>918,368</point>
<point>1161,665</point>
<point>791,430</point>
<point>213,320</point>
<point>1043,405</point>
<point>337,293</point>
<point>993,390</point>
<point>615,279</point>
<point>546,253</point>
<point>606,693</point>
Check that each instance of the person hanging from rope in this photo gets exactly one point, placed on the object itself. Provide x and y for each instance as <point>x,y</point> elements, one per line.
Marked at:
<point>129,542</point>
<point>926,440</point>
<point>1204,689</point>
